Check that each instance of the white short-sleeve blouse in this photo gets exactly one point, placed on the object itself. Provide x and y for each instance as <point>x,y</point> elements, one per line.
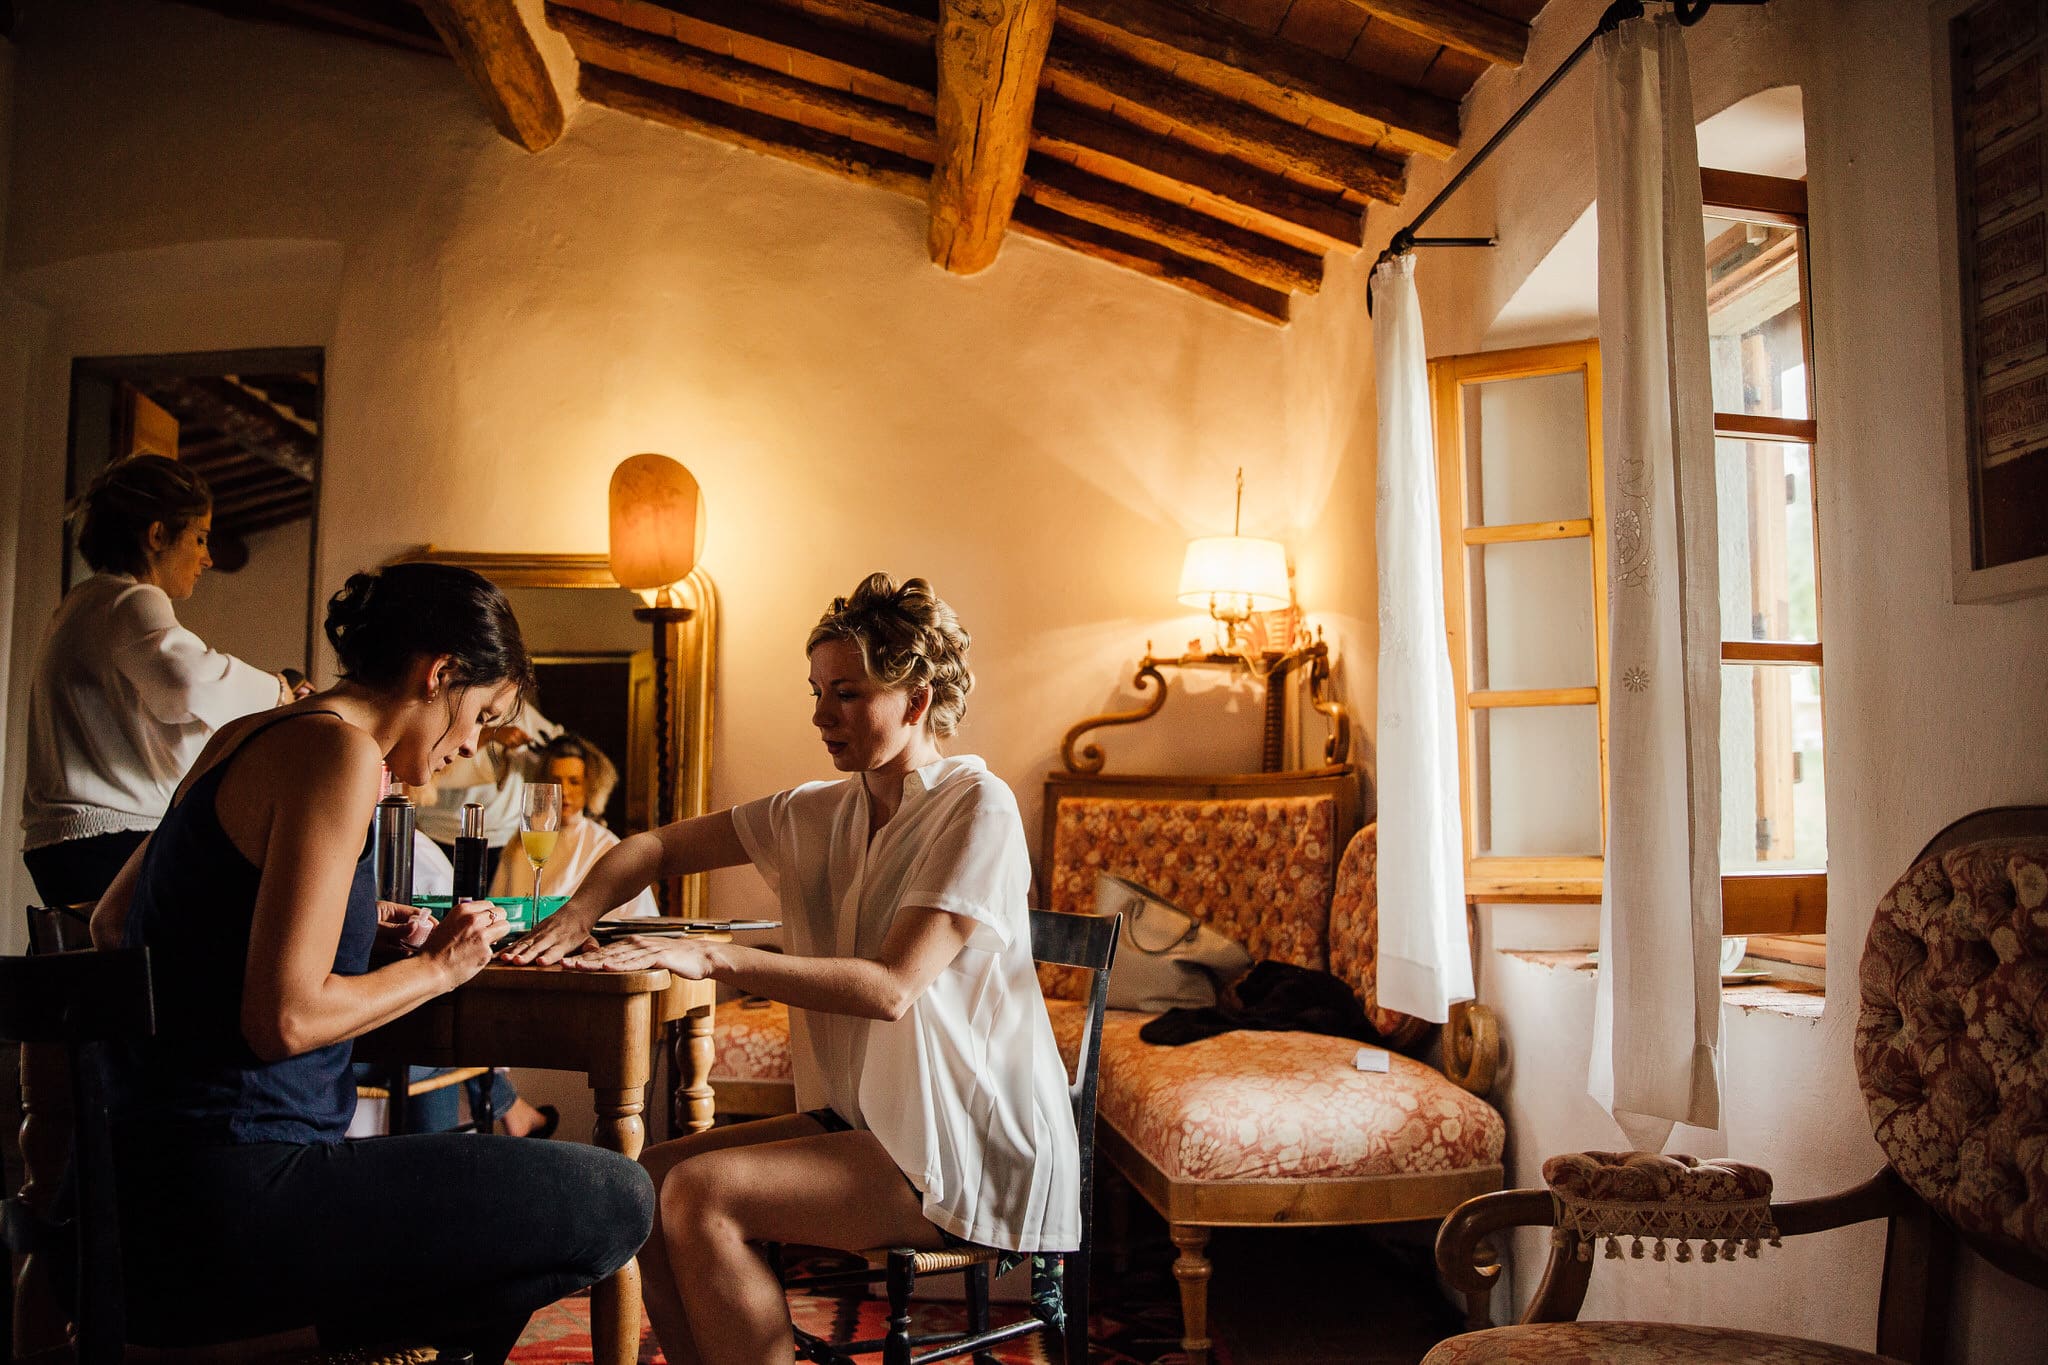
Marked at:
<point>966,1091</point>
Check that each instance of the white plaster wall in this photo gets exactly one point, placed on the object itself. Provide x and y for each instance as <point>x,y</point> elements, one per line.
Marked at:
<point>259,612</point>
<point>501,329</point>
<point>1925,718</point>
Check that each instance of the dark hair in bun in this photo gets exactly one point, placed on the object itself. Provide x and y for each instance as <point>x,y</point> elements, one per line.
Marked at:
<point>380,622</point>
<point>125,499</point>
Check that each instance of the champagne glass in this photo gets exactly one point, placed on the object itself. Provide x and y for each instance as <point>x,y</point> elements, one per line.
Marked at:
<point>540,824</point>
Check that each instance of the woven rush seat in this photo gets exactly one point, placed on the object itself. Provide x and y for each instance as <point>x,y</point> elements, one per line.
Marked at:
<point>1640,1343</point>
<point>939,1262</point>
<point>1281,1106</point>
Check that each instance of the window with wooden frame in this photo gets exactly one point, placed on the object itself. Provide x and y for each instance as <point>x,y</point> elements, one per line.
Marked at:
<point>1524,533</point>
<point>1773,792</point>
<point>1525,572</point>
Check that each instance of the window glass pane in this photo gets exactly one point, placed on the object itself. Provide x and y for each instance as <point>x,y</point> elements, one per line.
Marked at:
<point>1765,507</point>
<point>1536,788</point>
<point>1525,450</point>
<point>1531,614</point>
<point>1773,790</point>
<point>1756,328</point>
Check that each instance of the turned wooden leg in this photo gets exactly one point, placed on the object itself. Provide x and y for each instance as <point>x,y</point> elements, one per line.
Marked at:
<point>1478,1305</point>
<point>1191,1268</point>
<point>694,1102</point>
<point>615,1302</point>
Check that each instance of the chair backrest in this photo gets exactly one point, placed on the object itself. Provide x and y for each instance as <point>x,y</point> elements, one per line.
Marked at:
<point>1086,943</point>
<point>59,928</point>
<point>82,1001</point>
<point>1947,1041</point>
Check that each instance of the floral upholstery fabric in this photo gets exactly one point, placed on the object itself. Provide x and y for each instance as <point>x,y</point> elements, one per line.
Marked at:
<point>1258,870</point>
<point>1355,937</point>
<point>1723,1205</point>
<point>1638,1343</point>
<point>1950,1040</point>
<point>1652,1177</point>
<point>1279,1106</point>
<point>750,1041</point>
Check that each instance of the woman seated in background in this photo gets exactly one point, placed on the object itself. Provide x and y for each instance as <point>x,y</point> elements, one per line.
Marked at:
<point>937,1102</point>
<point>123,696</point>
<point>587,779</point>
<point>243,1214</point>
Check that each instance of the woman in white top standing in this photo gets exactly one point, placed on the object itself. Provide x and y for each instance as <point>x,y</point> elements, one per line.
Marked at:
<point>936,1100</point>
<point>124,697</point>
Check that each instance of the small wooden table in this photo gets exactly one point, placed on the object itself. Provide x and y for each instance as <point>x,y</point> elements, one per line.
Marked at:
<point>604,1024</point>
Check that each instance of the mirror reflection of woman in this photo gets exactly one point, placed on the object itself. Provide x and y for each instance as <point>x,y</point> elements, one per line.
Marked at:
<point>587,779</point>
<point>936,1107</point>
<point>243,1213</point>
<point>124,697</point>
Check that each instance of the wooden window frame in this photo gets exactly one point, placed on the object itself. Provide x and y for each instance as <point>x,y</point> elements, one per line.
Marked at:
<point>1775,903</point>
<point>1537,879</point>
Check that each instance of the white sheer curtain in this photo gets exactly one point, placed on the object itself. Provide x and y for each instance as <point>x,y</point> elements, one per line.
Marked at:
<point>1657,1020</point>
<point>1425,963</point>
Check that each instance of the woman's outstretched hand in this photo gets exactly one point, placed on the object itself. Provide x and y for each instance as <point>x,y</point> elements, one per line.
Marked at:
<point>686,958</point>
<point>557,936</point>
<point>461,943</point>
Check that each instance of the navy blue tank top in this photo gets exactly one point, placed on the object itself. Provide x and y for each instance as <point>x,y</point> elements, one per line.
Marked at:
<point>199,1079</point>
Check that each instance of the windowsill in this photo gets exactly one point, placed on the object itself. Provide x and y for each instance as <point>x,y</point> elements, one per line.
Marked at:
<point>1780,995</point>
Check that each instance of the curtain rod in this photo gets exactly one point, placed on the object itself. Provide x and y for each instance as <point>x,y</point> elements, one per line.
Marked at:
<point>1687,12</point>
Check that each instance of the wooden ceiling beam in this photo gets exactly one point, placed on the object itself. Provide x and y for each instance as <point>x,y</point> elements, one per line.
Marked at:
<point>632,52</point>
<point>1080,69</point>
<point>1090,198</point>
<point>1149,258</point>
<point>758,132</point>
<point>990,57</point>
<point>1456,24</point>
<point>1173,170</point>
<point>1244,64</point>
<point>270,521</point>
<point>787,40</point>
<point>489,41</point>
<point>240,416</point>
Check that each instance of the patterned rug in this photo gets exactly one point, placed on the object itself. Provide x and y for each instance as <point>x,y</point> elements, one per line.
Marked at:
<point>1134,1320</point>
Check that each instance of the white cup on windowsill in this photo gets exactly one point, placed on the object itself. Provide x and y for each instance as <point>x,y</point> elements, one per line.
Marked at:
<point>1733,949</point>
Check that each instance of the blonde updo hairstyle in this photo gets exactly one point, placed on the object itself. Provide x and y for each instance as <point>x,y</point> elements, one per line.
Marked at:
<point>908,639</point>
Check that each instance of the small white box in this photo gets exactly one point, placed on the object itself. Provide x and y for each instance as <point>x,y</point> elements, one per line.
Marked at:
<point>1372,1059</point>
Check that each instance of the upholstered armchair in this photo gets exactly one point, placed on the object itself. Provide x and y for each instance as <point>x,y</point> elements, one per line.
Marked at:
<point>1949,1050</point>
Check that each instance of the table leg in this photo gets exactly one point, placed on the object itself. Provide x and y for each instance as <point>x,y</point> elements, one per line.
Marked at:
<point>694,1102</point>
<point>615,1302</point>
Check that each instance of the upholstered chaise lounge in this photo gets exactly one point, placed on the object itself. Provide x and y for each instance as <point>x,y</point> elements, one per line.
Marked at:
<point>1243,1129</point>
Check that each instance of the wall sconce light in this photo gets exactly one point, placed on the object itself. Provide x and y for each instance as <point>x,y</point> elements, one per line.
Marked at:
<point>1233,576</point>
<point>657,525</point>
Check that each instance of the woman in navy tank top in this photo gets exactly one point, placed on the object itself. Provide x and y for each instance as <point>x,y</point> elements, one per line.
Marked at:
<point>244,1213</point>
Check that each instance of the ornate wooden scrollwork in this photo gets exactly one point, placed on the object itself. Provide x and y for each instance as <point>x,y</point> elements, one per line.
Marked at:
<point>1472,1047</point>
<point>1090,759</point>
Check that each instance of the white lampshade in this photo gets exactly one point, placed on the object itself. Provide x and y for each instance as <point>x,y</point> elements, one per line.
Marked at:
<point>1235,570</point>
<point>657,522</point>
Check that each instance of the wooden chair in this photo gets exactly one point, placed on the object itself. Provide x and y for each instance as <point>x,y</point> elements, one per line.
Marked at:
<point>81,1004</point>
<point>1059,1306</point>
<point>1947,1050</point>
<point>397,1117</point>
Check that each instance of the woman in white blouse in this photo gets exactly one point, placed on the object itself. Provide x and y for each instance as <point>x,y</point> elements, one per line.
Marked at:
<point>936,1102</point>
<point>124,697</point>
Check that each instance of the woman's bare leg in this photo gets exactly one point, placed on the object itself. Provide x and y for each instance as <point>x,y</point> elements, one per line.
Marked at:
<point>658,1280</point>
<point>836,1190</point>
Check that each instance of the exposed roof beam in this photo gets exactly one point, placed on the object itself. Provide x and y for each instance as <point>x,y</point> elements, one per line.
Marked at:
<point>1105,203</point>
<point>632,52</point>
<point>1081,69</point>
<point>1149,258</point>
<point>243,418</point>
<point>905,175</point>
<point>1176,172</point>
<point>1455,24</point>
<point>1243,63</point>
<point>989,57</point>
<point>490,43</point>
<point>758,132</point>
<point>788,41</point>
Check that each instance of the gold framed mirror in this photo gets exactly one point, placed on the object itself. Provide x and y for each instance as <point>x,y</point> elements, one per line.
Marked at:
<point>587,653</point>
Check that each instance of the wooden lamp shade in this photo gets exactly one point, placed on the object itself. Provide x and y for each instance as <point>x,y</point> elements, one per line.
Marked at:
<point>657,523</point>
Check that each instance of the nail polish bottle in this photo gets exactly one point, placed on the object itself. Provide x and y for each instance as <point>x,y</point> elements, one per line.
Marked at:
<point>470,852</point>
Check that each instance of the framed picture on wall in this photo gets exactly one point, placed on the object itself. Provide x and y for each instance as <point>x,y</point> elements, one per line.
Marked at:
<point>1991,83</point>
